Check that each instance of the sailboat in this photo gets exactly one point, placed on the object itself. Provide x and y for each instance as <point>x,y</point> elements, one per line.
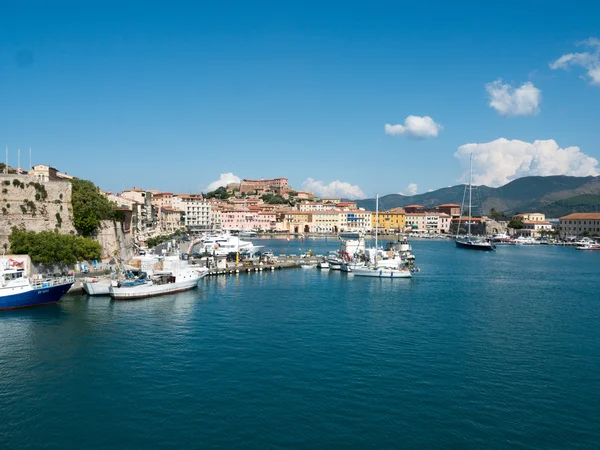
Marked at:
<point>469,241</point>
<point>375,270</point>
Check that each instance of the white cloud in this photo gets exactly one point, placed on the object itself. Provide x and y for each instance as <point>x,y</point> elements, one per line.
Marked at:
<point>590,61</point>
<point>415,127</point>
<point>411,189</point>
<point>498,162</point>
<point>511,101</point>
<point>334,189</point>
<point>224,180</point>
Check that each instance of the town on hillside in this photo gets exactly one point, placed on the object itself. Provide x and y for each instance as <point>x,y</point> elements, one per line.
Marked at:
<point>273,206</point>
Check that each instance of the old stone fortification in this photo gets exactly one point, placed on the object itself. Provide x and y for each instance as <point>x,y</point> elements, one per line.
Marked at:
<point>22,205</point>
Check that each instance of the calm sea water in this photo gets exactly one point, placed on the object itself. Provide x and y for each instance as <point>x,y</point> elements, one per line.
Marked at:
<point>478,350</point>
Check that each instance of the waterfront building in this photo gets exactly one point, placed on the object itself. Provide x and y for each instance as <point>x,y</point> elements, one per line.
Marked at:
<point>578,224</point>
<point>311,206</point>
<point>196,211</point>
<point>295,221</point>
<point>530,217</point>
<point>534,228</point>
<point>238,220</point>
<point>326,222</point>
<point>428,222</point>
<point>393,220</point>
<point>355,220</point>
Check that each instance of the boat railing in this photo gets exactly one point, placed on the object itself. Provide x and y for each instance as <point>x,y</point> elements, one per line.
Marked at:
<point>51,282</point>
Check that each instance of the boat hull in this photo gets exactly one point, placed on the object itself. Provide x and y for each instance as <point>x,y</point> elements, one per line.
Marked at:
<point>101,287</point>
<point>470,246</point>
<point>380,272</point>
<point>34,297</point>
<point>154,290</point>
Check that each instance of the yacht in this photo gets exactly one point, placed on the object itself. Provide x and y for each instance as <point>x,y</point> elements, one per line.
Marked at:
<point>224,244</point>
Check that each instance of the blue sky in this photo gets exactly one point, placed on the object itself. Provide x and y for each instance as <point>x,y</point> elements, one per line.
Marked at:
<point>172,96</point>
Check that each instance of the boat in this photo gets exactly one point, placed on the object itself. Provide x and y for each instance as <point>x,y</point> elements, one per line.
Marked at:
<point>223,244</point>
<point>98,286</point>
<point>176,277</point>
<point>323,265</point>
<point>248,234</point>
<point>19,291</point>
<point>469,241</point>
<point>308,266</point>
<point>503,239</point>
<point>373,269</point>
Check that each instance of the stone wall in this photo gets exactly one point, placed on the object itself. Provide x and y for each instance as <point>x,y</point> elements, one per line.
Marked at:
<point>112,239</point>
<point>20,208</point>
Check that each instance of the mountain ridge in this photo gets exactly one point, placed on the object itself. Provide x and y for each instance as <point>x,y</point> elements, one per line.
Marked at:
<point>526,194</point>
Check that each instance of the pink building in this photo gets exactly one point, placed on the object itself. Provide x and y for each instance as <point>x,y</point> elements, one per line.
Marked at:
<point>248,220</point>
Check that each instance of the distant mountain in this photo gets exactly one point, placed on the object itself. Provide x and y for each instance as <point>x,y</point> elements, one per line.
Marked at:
<point>555,194</point>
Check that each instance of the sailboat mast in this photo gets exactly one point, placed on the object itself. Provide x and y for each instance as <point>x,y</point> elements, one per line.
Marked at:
<point>376,225</point>
<point>470,190</point>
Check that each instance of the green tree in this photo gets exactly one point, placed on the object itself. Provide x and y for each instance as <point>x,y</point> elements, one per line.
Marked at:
<point>516,224</point>
<point>90,207</point>
<point>220,193</point>
<point>50,247</point>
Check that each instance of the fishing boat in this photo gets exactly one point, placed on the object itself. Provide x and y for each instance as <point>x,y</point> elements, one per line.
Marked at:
<point>469,241</point>
<point>19,291</point>
<point>176,276</point>
<point>373,269</point>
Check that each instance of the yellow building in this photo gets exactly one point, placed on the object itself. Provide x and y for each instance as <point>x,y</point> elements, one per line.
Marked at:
<point>391,220</point>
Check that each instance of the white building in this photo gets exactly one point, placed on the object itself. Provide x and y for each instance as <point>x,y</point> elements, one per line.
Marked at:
<point>197,211</point>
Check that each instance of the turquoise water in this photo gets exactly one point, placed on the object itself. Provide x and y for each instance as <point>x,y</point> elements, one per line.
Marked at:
<point>478,350</point>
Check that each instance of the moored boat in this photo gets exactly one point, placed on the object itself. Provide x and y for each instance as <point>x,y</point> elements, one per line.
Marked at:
<point>160,284</point>
<point>19,291</point>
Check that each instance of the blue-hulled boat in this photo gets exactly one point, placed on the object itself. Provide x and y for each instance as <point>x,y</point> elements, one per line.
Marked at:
<point>18,291</point>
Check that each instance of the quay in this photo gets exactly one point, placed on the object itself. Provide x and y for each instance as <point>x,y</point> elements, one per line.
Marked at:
<point>283,262</point>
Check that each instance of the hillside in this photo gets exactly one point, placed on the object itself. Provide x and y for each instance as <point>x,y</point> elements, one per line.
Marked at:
<point>523,194</point>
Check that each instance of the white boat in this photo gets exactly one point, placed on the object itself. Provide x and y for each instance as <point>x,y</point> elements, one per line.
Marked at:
<point>469,241</point>
<point>373,269</point>
<point>248,234</point>
<point>323,265</point>
<point>98,286</point>
<point>224,244</point>
<point>176,277</point>
<point>308,266</point>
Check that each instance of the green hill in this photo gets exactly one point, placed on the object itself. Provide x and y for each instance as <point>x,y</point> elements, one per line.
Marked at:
<point>523,194</point>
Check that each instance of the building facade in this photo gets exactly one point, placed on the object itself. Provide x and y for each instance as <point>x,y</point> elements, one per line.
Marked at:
<point>578,224</point>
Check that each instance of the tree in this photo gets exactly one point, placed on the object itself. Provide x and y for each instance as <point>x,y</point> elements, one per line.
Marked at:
<point>516,224</point>
<point>50,247</point>
<point>219,193</point>
<point>90,207</point>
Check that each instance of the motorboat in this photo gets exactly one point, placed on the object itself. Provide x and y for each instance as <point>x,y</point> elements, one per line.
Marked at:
<point>223,244</point>
<point>175,276</point>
